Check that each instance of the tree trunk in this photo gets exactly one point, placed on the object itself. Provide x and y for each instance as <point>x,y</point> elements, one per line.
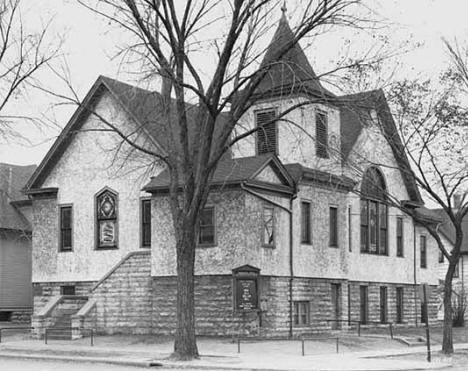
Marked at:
<point>447,340</point>
<point>185,346</point>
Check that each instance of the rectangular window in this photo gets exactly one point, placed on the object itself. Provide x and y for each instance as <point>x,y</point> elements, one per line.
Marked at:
<point>301,313</point>
<point>350,231</point>
<point>399,305</point>
<point>364,307</point>
<point>65,228</point>
<point>321,134</point>
<point>268,226</point>
<point>373,227</point>
<point>423,313</point>
<point>399,236</point>
<point>441,256</point>
<point>305,222</point>
<point>267,135</point>
<point>67,290</point>
<point>423,248</point>
<point>146,223</point>
<point>364,227</point>
<point>383,304</point>
<point>382,229</point>
<point>206,234</point>
<point>333,221</point>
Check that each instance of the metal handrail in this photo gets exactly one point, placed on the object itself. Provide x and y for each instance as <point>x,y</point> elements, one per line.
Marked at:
<point>359,323</point>
<point>13,328</point>
<point>48,329</point>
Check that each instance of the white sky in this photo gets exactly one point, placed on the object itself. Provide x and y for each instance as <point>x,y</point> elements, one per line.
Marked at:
<point>88,46</point>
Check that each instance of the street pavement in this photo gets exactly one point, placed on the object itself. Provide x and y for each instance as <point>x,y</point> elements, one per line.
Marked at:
<point>218,354</point>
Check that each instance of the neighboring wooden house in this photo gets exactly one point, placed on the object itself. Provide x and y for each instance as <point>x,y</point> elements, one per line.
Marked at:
<point>15,244</point>
<point>292,239</point>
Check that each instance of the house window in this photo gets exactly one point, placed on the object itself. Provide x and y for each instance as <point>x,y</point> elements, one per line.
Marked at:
<point>423,250</point>
<point>268,226</point>
<point>305,222</point>
<point>333,221</point>
<point>399,236</point>
<point>65,228</point>
<point>321,134</point>
<point>383,304</point>
<point>399,305</point>
<point>146,223</point>
<point>106,211</point>
<point>423,313</point>
<point>374,213</point>
<point>364,304</point>
<point>206,234</point>
<point>67,290</point>
<point>301,313</point>
<point>350,231</point>
<point>267,134</point>
<point>441,256</point>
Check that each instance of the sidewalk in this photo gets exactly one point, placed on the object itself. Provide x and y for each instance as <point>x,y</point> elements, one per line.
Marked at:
<point>222,354</point>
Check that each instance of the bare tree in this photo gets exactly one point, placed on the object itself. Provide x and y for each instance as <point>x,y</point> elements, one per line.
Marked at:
<point>23,53</point>
<point>201,105</point>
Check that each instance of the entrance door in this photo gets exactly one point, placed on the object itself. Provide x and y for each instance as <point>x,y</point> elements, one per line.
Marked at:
<point>335,299</point>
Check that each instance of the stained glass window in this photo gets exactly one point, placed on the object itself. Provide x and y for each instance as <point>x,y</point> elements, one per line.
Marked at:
<point>106,212</point>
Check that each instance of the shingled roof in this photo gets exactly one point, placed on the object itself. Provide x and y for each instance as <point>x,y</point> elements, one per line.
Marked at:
<point>232,172</point>
<point>12,180</point>
<point>142,105</point>
<point>447,229</point>
<point>290,72</point>
<point>355,113</point>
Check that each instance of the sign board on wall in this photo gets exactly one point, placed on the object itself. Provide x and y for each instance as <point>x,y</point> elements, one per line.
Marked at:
<point>245,280</point>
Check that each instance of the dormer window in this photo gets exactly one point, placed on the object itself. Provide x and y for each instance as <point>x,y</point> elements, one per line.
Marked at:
<point>267,133</point>
<point>321,134</point>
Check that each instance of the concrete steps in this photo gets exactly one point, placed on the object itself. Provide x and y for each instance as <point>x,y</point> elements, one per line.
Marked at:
<point>62,327</point>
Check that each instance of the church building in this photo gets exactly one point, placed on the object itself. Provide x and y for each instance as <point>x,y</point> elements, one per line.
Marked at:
<point>297,235</point>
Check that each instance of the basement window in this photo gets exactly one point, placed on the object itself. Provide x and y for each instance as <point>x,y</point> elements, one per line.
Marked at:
<point>5,316</point>
<point>67,290</point>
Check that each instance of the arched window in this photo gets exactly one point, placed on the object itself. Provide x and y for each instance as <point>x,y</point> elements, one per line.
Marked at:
<point>373,213</point>
<point>106,215</point>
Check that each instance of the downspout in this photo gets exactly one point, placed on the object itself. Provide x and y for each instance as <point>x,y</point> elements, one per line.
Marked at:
<point>415,278</point>
<point>291,261</point>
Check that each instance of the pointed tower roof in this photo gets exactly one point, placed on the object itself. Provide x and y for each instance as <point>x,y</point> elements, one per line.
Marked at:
<point>292,71</point>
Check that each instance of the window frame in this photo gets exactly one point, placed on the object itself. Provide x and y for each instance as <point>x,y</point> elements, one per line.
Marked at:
<point>400,306</point>
<point>333,230</point>
<point>308,239</point>
<point>61,207</point>
<point>298,313</point>
<point>423,251</point>
<point>275,123</point>
<point>214,225</point>
<point>143,201</point>
<point>268,206</point>
<point>400,233</point>
<point>373,221</point>
<point>97,220</point>
<point>322,150</point>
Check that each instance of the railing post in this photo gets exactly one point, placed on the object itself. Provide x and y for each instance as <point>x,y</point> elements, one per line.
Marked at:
<point>0,335</point>
<point>391,330</point>
<point>337,345</point>
<point>45,336</point>
<point>238,345</point>
<point>303,351</point>
<point>359,328</point>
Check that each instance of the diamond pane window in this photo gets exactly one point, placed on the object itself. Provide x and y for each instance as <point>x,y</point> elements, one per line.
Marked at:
<point>106,203</point>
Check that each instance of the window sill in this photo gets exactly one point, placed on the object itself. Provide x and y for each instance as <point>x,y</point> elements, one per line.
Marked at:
<point>268,246</point>
<point>106,248</point>
<point>145,247</point>
<point>70,250</point>
<point>374,253</point>
<point>203,245</point>
<point>333,246</point>
<point>306,243</point>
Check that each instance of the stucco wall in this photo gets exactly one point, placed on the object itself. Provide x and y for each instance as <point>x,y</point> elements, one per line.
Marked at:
<point>296,143</point>
<point>89,164</point>
<point>238,235</point>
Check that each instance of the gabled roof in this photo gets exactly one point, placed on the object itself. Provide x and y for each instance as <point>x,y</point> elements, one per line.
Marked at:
<point>233,172</point>
<point>447,229</point>
<point>143,106</point>
<point>302,174</point>
<point>12,180</point>
<point>290,72</point>
<point>355,111</point>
